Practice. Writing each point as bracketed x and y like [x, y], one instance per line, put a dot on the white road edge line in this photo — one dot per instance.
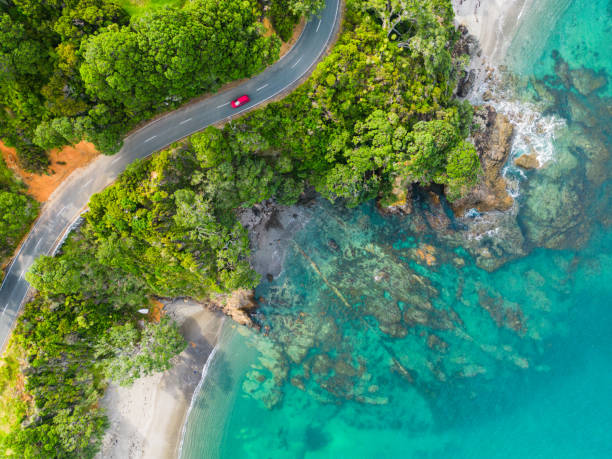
[115, 160]
[186, 121]
[150, 138]
[297, 62]
[262, 87]
[221, 106]
[318, 25]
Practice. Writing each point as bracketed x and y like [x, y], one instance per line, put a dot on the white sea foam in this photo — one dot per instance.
[496, 23]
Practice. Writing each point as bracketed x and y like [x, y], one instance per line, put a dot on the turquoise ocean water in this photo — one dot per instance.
[383, 341]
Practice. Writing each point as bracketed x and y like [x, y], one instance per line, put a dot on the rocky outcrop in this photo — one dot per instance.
[492, 239]
[466, 45]
[493, 142]
[271, 227]
[528, 161]
[400, 201]
[238, 305]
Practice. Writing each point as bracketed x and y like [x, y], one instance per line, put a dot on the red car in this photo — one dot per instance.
[240, 101]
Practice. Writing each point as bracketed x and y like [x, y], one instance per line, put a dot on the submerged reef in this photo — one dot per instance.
[364, 301]
[381, 298]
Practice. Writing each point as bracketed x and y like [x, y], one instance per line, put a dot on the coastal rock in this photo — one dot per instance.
[528, 161]
[400, 201]
[271, 226]
[466, 83]
[493, 239]
[239, 305]
[466, 44]
[493, 142]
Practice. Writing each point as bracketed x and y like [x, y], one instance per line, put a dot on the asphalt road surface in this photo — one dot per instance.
[73, 195]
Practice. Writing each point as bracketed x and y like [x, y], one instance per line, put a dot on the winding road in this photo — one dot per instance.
[72, 197]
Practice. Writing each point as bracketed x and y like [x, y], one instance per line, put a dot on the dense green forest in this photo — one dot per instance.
[17, 211]
[377, 111]
[84, 69]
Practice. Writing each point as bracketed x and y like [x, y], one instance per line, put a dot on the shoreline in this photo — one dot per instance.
[147, 419]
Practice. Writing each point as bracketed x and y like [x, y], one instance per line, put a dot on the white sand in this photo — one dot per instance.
[492, 22]
[146, 419]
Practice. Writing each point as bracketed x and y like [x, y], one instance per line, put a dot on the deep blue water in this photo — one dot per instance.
[384, 341]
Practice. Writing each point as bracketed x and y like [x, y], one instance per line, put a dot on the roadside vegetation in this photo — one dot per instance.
[83, 69]
[17, 212]
[376, 112]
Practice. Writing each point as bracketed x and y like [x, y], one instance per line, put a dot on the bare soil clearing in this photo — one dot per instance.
[62, 163]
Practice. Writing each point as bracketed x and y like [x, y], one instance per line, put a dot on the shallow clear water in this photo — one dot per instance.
[383, 341]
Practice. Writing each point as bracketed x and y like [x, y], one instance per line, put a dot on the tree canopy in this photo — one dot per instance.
[82, 69]
[17, 211]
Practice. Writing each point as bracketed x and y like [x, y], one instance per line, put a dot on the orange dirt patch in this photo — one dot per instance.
[156, 312]
[268, 26]
[62, 163]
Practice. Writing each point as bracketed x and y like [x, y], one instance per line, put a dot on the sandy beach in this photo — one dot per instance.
[146, 419]
[492, 22]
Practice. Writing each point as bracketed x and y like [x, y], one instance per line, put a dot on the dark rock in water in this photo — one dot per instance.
[315, 438]
[587, 81]
[435, 214]
[437, 344]
[581, 112]
[543, 93]
[493, 142]
[507, 316]
[529, 161]
[269, 277]
[466, 83]
[562, 70]
[332, 244]
[492, 239]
